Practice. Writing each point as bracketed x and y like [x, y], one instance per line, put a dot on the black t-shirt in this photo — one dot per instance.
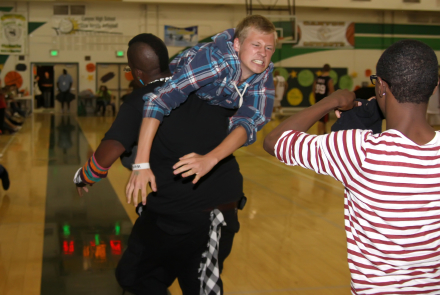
[47, 81]
[321, 87]
[194, 126]
[365, 117]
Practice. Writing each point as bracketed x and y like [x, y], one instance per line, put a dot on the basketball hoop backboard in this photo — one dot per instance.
[286, 28]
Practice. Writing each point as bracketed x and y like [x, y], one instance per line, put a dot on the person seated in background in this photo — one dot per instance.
[14, 105]
[392, 188]
[104, 98]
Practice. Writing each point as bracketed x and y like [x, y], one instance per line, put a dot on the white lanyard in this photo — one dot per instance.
[241, 94]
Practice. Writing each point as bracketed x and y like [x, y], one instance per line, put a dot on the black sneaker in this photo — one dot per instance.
[5, 180]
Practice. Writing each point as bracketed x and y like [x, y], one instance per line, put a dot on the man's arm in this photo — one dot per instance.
[200, 69]
[200, 165]
[121, 136]
[106, 154]
[342, 100]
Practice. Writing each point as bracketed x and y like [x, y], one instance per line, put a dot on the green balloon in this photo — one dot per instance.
[283, 72]
[306, 78]
[334, 77]
[346, 82]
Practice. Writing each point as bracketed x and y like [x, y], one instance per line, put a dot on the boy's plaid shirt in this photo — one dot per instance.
[211, 70]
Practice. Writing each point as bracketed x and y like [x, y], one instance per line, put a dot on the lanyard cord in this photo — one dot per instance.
[241, 94]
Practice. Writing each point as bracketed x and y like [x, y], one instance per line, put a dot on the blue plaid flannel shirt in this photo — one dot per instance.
[212, 69]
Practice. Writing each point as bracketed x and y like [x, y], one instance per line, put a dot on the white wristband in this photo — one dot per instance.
[140, 166]
[77, 177]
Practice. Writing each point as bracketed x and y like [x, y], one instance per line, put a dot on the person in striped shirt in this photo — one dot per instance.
[391, 179]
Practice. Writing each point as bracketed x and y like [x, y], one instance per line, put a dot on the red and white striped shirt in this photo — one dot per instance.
[392, 204]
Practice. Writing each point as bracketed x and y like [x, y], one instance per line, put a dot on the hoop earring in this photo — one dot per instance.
[141, 81]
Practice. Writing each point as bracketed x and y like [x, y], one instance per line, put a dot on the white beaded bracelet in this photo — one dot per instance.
[140, 166]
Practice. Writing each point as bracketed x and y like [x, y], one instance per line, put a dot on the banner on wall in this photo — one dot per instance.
[13, 34]
[325, 34]
[181, 36]
[86, 25]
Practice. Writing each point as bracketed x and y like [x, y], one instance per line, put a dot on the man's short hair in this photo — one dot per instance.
[326, 68]
[410, 68]
[158, 47]
[258, 22]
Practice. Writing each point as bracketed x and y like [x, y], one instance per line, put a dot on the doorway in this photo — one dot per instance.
[55, 70]
[113, 76]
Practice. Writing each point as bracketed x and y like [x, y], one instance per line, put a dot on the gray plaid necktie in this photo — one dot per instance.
[209, 270]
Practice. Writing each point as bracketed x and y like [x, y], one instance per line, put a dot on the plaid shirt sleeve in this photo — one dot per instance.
[256, 110]
[200, 69]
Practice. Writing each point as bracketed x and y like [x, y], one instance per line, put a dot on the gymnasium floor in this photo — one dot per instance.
[53, 242]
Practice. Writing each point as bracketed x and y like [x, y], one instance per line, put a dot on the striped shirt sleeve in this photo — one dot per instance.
[325, 154]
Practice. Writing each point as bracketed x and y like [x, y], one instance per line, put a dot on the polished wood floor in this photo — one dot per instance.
[291, 240]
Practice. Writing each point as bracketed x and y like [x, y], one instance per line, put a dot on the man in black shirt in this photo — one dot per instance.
[47, 85]
[168, 239]
[323, 87]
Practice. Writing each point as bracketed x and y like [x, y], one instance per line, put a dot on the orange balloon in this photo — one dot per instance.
[367, 73]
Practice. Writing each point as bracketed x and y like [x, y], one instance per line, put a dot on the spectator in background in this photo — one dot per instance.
[4, 176]
[3, 106]
[37, 92]
[103, 99]
[47, 84]
[11, 93]
[64, 84]
[323, 87]
[280, 90]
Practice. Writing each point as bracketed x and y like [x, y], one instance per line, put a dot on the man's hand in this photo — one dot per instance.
[338, 112]
[194, 164]
[346, 101]
[80, 190]
[138, 181]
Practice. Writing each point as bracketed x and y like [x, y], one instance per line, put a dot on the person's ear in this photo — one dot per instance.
[237, 44]
[382, 86]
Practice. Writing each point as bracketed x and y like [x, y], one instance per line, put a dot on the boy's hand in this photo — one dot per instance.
[194, 164]
[139, 181]
[346, 100]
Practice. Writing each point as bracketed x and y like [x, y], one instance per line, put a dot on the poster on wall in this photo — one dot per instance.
[300, 84]
[325, 34]
[86, 25]
[13, 34]
[181, 36]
